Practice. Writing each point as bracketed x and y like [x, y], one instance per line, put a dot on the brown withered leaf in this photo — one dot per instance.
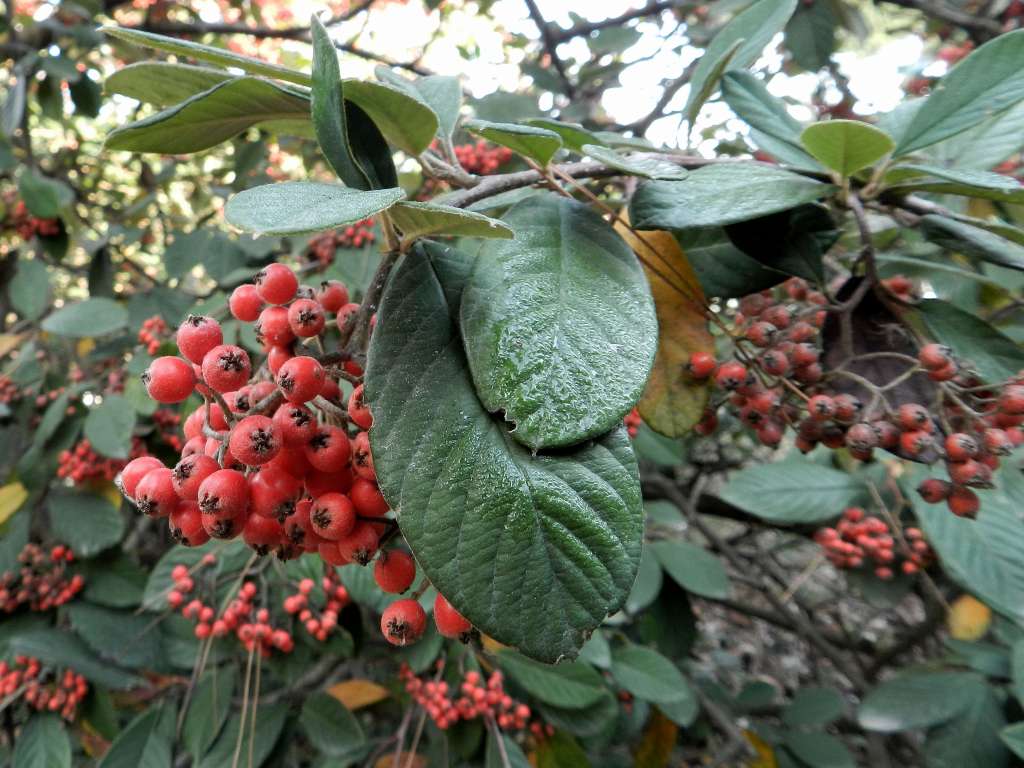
[358, 693]
[673, 401]
[656, 745]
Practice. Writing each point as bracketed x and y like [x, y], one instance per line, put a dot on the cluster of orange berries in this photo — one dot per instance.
[43, 399]
[250, 625]
[318, 622]
[41, 581]
[9, 391]
[42, 688]
[860, 539]
[632, 420]
[481, 158]
[28, 226]
[153, 333]
[322, 247]
[82, 464]
[474, 698]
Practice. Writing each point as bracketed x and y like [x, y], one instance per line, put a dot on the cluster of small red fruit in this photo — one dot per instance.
[82, 464]
[41, 581]
[28, 226]
[860, 539]
[475, 699]
[322, 247]
[775, 381]
[42, 688]
[9, 391]
[153, 333]
[632, 421]
[482, 158]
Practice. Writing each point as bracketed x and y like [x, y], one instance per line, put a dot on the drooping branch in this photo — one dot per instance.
[550, 46]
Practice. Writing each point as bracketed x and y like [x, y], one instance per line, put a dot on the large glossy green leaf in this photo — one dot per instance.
[814, 707]
[126, 638]
[648, 675]
[722, 194]
[85, 521]
[42, 743]
[163, 83]
[258, 738]
[330, 726]
[983, 555]
[793, 491]
[63, 649]
[143, 744]
[973, 737]
[417, 219]
[569, 685]
[109, 426]
[749, 98]
[29, 290]
[846, 146]
[211, 117]
[917, 700]
[574, 136]
[534, 549]
[208, 709]
[950, 181]
[724, 271]
[988, 81]
[755, 26]
[408, 122]
[646, 166]
[994, 355]
[298, 207]
[442, 94]
[558, 324]
[539, 144]
[811, 34]
[972, 241]
[987, 144]
[693, 568]
[793, 242]
[821, 750]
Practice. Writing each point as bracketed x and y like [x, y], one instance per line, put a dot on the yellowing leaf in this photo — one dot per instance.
[84, 346]
[673, 401]
[659, 739]
[406, 760]
[12, 496]
[490, 644]
[358, 693]
[968, 618]
[10, 341]
[765, 754]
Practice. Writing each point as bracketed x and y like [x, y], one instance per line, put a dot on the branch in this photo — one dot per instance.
[981, 27]
[550, 45]
[653, 8]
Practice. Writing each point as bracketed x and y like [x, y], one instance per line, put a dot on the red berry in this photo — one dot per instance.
[169, 379]
[274, 492]
[914, 442]
[775, 363]
[360, 545]
[403, 622]
[362, 458]
[333, 516]
[367, 498]
[963, 502]
[197, 336]
[731, 375]
[301, 379]
[328, 450]
[933, 490]
[912, 416]
[997, 441]
[155, 495]
[394, 571]
[306, 318]
[134, 471]
[245, 303]
[254, 440]
[319, 483]
[333, 295]
[226, 368]
[295, 423]
[934, 356]
[222, 527]
[262, 533]
[1012, 400]
[821, 408]
[347, 311]
[186, 525]
[778, 316]
[804, 354]
[190, 472]
[761, 334]
[276, 284]
[272, 327]
[960, 446]
[224, 494]
[450, 623]
[357, 410]
[862, 437]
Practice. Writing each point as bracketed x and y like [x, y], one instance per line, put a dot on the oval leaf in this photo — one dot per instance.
[298, 207]
[972, 241]
[92, 317]
[558, 324]
[994, 355]
[416, 219]
[693, 568]
[570, 685]
[917, 700]
[846, 146]
[29, 291]
[163, 83]
[43, 743]
[535, 550]
[648, 675]
[647, 166]
[109, 427]
[538, 144]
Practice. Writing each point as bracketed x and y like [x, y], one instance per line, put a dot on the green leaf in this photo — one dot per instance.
[693, 568]
[569, 685]
[61, 648]
[109, 426]
[407, 120]
[1017, 669]
[539, 144]
[793, 242]
[811, 35]
[945, 181]
[154, 597]
[648, 675]
[1013, 737]
[586, 723]
[986, 82]
[995, 356]
[793, 491]
[749, 98]
[117, 582]
[163, 83]
[983, 555]
[648, 582]
[329, 726]
[724, 271]
[141, 745]
[29, 290]
[972, 241]
[126, 638]
[986, 145]
[647, 166]
[494, 759]
[710, 83]
[846, 146]
[298, 207]
[92, 317]
[84, 521]
[574, 136]
[208, 710]
[972, 738]
[722, 194]
[442, 94]
[561, 751]
[207, 53]
[819, 750]
[44, 197]
[539, 548]
[213, 116]
[570, 298]
[814, 707]
[42, 743]
[415, 220]
[258, 739]
[917, 700]
[755, 26]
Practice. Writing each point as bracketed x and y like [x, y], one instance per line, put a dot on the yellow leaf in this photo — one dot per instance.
[490, 644]
[672, 401]
[10, 341]
[85, 346]
[656, 745]
[406, 760]
[968, 618]
[358, 693]
[12, 496]
[765, 754]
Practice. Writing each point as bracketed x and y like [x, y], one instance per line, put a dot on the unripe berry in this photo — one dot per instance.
[449, 622]
[276, 284]
[169, 379]
[394, 571]
[306, 318]
[301, 379]
[245, 303]
[226, 368]
[254, 440]
[403, 622]
[197, 336]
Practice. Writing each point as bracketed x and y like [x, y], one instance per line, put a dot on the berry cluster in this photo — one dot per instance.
[82, 464]
[42, 688]
[632, 421]
[481, 158]
[153, 333]
[775, 381]
[474, 699]
[28, 226]
[319, 622]
[41, 581]
[322, 247]
[860, 539]
[167, 424]
[9, 391]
